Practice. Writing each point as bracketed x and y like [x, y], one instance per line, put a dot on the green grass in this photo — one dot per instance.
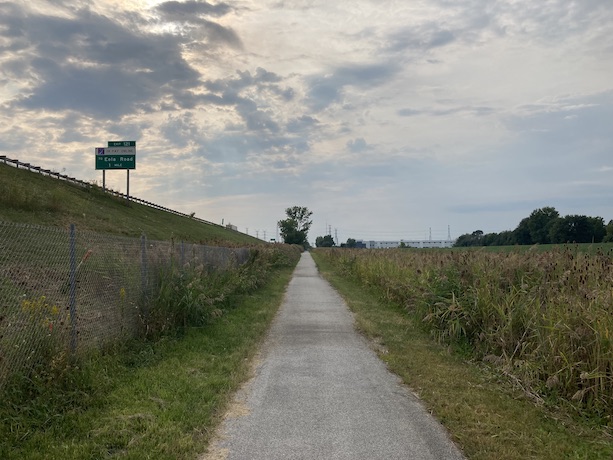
[158, 400]
[487, 414]
[31, 198]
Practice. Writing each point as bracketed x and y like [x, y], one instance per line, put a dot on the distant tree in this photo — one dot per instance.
[489, 239]
[609, 233]
[478, 238]
[522, 233]
[324, 241]
[599, 229]
[578, 229]
[544, 226]
[463, 241]
[295, 227]
[470, 239]
[506, 238]
[540, 222]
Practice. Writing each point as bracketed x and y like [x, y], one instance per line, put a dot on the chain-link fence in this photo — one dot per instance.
[70, 290]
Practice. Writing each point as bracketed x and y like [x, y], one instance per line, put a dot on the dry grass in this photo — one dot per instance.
[544, 318]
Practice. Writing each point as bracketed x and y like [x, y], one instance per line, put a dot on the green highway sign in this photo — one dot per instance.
[108, 158]
[122, 143]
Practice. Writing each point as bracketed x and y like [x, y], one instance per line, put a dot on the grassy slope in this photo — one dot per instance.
[484, 413]
[32, 198]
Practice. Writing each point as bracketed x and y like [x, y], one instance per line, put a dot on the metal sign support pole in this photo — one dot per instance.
[104, 180]
[128, 191]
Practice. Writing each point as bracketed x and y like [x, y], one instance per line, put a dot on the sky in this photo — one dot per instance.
[388, 119]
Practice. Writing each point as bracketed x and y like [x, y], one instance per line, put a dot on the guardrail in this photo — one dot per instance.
[17, 164]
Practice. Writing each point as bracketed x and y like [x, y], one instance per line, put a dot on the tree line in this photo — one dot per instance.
[544, 226]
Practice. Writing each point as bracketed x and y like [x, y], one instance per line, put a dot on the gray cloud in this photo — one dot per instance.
[326, 90]
[105, 93]
[301, 124]
[192, 15]
[186, 10]
[567, 122]
[238, 146]
[181, 129]
[425, 38]
[228, 92]
[477, 111]
[477, 21]
[234, 85]
[94, 65]
[357, 145]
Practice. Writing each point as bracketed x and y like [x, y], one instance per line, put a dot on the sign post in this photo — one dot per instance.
[118, 155]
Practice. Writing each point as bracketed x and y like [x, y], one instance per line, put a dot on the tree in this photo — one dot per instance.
[324, 241]
[578, 229]
[351, 243]
[522, 232]
[540, 223]
[609, 235]
[296, 227]
[470, 239]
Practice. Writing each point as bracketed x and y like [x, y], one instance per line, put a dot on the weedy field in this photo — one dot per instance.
[543, 318]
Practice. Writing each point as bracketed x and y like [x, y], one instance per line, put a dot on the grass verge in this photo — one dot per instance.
[158, 400]
[487, 415]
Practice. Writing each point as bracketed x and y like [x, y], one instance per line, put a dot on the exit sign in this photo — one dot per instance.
[122, 143]
[115, 158]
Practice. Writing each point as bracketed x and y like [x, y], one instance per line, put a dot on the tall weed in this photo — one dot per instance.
[546, 318]
[191, 296]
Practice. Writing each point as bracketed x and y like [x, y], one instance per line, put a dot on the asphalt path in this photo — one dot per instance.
[320, 392]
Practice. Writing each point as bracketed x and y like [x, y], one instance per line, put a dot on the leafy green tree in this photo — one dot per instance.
[506, 238]
[540, 222]
[324, 241]
[470, 239]
[522, 233]
[609, 233]
[351, 242]
[295, 227]
[578, 229]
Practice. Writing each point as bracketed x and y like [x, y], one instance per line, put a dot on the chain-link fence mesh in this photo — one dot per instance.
[63, 291]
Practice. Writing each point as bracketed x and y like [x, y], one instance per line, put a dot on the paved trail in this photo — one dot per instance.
[320, 392]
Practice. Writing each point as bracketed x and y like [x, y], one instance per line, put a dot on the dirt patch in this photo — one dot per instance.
[238, 408]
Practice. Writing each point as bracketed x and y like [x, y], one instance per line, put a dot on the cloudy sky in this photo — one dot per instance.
[388, 119]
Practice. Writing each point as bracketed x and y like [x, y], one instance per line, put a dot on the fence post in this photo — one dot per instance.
[72, 296]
